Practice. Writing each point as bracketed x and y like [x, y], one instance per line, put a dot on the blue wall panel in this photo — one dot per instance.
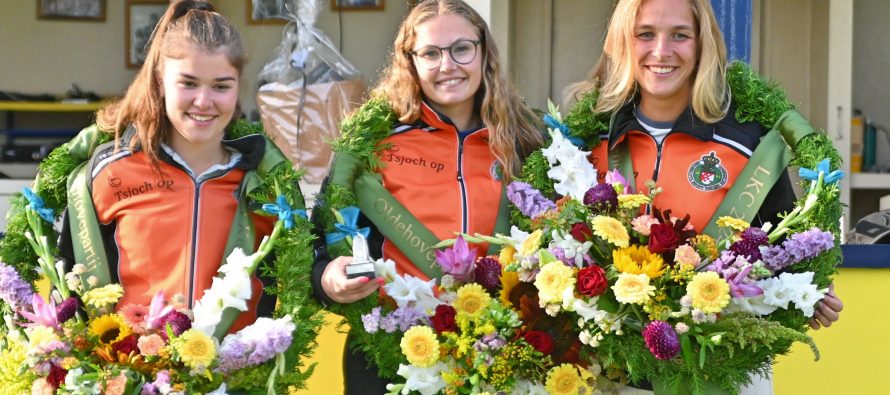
[734, 17]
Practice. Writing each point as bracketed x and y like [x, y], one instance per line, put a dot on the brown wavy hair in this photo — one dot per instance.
[613, 72]
[186, 25]
[513, 134]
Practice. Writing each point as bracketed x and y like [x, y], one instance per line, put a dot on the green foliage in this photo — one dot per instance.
[755, 98]
[361, 132]
[586, 124]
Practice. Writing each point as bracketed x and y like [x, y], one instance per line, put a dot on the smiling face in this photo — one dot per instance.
[665, 52]
[200, 97]
[451, 87]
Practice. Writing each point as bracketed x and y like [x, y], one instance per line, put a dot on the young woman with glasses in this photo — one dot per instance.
[459, 130]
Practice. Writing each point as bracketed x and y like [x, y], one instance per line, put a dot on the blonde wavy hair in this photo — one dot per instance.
[186, 25]
[512, 132]
[613, 73]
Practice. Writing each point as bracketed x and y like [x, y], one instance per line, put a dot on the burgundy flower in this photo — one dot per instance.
[56, 375]
[67, 309]
[601, 197]
[661, 339]
[746, 248]
[662, 239]
[126, 345]
[443, 321]
[540, 340]
[582, 232]
[755, 235]
[488, 274]
[592, 281]
[178, 322]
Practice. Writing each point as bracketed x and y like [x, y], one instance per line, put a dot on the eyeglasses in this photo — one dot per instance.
[461, 51]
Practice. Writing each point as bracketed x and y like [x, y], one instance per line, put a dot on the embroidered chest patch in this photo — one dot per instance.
[496, 170]
[707, 174]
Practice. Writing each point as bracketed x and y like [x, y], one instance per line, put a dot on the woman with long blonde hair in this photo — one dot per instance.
[459, 130]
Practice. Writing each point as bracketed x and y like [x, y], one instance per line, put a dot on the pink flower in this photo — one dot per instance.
[661, 339]
[458, 261]
[43, 314]
[643, 224]
[116, 385]
[42, 387]
[134, 315]
[150, 345]
[157, 311]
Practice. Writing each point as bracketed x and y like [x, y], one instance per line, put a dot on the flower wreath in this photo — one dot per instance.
[361, 135]
[758, 100]
[291, 266]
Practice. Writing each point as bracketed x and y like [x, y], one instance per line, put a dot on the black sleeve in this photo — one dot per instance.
[65, 243]
[779, 200]
[322, 258]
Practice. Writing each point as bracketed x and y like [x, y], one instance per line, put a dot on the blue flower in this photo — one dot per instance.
[349, 226]
[552, 123]
[284, 212]
[36, 203]
[824, 167]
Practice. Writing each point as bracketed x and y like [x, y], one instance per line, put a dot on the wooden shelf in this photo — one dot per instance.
[870, 181]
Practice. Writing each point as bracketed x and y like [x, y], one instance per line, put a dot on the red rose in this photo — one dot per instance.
[540, 340]
[592, 281]
[126, 345]
[443, 321]
[56, 375]
[662, 239]
[581, 232]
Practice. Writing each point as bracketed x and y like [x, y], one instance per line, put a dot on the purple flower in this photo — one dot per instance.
[13, 290]
[162, 379]
[746, 248]
[389, 324]
[488, 274]
[406, 317]
[179, 323]
[799, 247]
[601, 198]
[661, 339]
[41, 313]
[255, 344]
[458, 260]
[755, 235]
[371, 321]
[67, 309]
[528, 200]
[740, 285]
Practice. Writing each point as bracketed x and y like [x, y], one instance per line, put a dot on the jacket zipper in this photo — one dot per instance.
[460, 181]
[192, 257]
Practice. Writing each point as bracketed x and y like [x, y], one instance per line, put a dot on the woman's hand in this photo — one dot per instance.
[827, 310]
[344, 290]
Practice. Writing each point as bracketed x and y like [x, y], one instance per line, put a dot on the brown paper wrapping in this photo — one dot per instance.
[326, 104]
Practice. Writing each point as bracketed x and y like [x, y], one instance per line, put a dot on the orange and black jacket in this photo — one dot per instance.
[167, 230]
[450, 181]
[696, 163]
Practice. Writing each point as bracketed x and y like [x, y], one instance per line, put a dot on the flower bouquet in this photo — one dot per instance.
[644, 294]
[81, 341]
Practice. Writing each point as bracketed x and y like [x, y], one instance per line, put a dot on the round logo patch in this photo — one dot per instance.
[496, 170]
[707, 174]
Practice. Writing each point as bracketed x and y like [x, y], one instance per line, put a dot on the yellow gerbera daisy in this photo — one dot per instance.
[637, 259]
[709, 292]
[471, 299]
[103, 296]
[611, 230]
[531, 244]
[738, 225]
[564, 379]
[195, 349]
[633, 288]
[553, 279]
[110, 328]
[420, 346]
[632, 201]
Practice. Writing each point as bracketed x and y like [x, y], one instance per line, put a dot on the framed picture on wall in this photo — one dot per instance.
[356, 5]
[141, 18]
[262, 12]
[84, 10]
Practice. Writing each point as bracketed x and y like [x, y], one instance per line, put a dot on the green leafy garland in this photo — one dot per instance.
[361, 136]
[291, 268]
[759, 100]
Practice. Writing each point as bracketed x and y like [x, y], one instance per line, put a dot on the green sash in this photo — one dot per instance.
[769, 160]
[392, 219]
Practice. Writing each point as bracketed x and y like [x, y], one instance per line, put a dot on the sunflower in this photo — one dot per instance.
[709, 292]
[110, 329]
[564, 379]
[508, 281]
[195, 349]
[471, 299]
[637, 259]
[507, 255]
[420, 346]
[610, 230]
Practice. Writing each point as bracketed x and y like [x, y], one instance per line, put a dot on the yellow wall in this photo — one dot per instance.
[854, 351]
